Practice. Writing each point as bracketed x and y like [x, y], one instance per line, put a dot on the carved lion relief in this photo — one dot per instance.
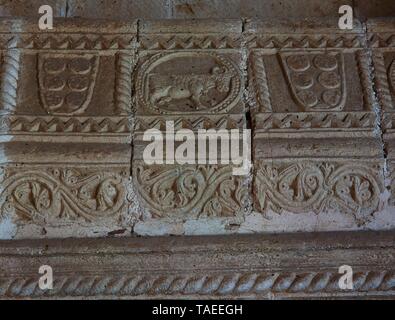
[318, 187]
[188, 82]
[66, 81]
[62, 194]
[316, 80]
[190, 191]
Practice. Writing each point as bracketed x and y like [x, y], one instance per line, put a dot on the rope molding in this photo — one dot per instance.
[256, 284]
[256, 266]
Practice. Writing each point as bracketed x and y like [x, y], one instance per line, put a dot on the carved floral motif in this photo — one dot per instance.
[64, 194]
[67, 81]
[187, 191]
[188, 82]
[317, 80]
[308, 186]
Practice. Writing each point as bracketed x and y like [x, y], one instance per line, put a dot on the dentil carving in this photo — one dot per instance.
[308, 186]
[186, 191]
[65, 194]
[66, 81]
[188, 82]
[317, 80]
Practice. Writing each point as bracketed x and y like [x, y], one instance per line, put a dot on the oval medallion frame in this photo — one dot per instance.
[232, 98]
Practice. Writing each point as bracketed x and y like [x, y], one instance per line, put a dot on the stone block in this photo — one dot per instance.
[65, 128]
[381, 38]
[120, 9]
[189, 74]
[21, 8]
[317, 150]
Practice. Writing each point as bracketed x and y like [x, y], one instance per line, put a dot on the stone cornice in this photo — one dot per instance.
[255, 266]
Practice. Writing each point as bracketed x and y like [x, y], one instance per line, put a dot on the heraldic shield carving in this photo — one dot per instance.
[193, 82]
[317, 79]
[66, 82]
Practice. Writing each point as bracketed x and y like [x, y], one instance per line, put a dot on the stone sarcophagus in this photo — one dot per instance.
[309, 106]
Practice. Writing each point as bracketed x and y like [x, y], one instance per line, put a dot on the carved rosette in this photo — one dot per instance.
[318, 187]
[188, 82]
[61, 195]
[190, 191]
[66, 81]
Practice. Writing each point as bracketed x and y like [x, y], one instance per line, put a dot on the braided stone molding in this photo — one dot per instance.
[364, 63]
[238, 284]
[9, 80]
[255, 266]
[123, 90]
[260, 85]
[381, 81]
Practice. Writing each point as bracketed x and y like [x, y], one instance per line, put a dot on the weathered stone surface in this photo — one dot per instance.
[22, 8]
[76, 101]
[254, 267]
[198, 9]
[375, 8]
[314, 124]
[381, 34]
[120, 9]
[65, 108]
[189, 74]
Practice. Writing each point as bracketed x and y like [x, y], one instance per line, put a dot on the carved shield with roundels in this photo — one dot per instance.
[316, 79]
[391, 76]
[66, 81]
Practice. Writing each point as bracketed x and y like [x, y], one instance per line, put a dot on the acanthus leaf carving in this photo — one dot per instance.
[190, 191]
[62, 194]
[311, 187]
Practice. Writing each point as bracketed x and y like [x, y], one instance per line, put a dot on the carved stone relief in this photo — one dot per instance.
[381, 35]
[314, 124]
[66, 129]
[189, 75]
[76, 101]
[317, 80]
[213, 86]
[79, 97]
[54, 195]
[66, 82]
[319, 187]
[189, 191]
